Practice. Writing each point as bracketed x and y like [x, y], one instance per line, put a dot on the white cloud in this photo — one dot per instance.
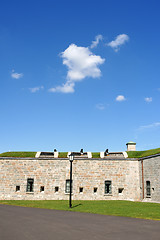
[100, 106]
[68, 87]
[35, 89]
[119, 40]
[81, 63]
[153, 125]
[98, 38]
[148, 99]
[16, 75]
[120, 98]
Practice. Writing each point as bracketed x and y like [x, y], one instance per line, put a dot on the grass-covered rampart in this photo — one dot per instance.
[95, 154]
[18, 154]
[131, 154]
[62, 154]
[140, 154]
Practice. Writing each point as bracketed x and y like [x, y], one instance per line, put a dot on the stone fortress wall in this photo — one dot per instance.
[151, 173]
[87, 174]
[128, 178]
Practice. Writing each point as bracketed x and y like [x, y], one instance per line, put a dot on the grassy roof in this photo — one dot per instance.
[18, 154]
[139, 154]
[95, 154]
[62, 154]
[131, 154]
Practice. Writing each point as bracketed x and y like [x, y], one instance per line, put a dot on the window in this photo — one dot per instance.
[108, 189]
[17, 188]
[67, 190]
[120, 190]
[95, 189]
[30, 183]
[56, 189]
[42, 189]
[148, 188]
[81, 189]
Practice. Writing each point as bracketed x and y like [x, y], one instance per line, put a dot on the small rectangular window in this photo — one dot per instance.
[148, 188]
[17, 188]
[95, 190]
[108, 187]
[42, 189]
[30, 185]
[81, 189]
[56, 189]
[120, 190]
[67, 188]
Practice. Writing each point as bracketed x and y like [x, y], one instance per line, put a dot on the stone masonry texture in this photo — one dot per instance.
[125, 174]
[151, 172]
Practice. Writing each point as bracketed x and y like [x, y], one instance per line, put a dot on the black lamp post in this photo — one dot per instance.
[71, 158]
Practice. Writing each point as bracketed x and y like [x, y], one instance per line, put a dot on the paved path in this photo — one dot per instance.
[19, 223]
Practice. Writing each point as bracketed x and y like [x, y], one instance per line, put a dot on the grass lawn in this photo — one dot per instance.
[18, 154]
[139, 154]
[115, 208]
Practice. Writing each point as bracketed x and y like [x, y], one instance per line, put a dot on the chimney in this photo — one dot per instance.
[131, 146]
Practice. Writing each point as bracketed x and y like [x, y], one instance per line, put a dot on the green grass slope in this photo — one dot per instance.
[95, 154]
[62, 154]
[18, 154]
[139, 154]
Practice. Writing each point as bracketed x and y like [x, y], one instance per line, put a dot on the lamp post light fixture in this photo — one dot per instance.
[71, 158]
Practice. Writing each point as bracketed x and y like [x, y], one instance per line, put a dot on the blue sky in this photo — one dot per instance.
[79, 74]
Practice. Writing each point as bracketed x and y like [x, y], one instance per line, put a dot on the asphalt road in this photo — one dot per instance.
[19, 223]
